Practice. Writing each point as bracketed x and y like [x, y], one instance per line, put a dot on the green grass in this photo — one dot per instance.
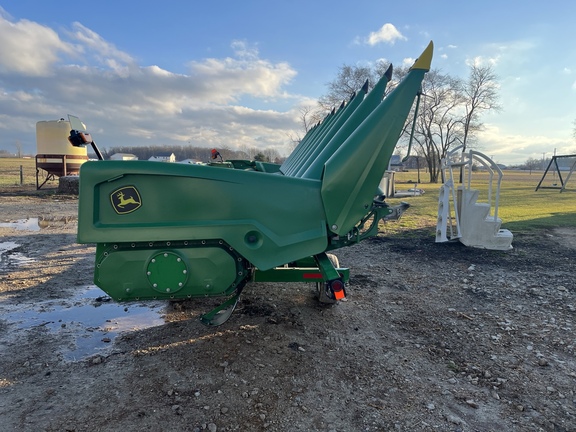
[10, 172]
[521, 208]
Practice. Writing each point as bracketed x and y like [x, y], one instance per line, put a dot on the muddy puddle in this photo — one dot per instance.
[37, 223]
[90, 320]
[29, 224]
[9, 255]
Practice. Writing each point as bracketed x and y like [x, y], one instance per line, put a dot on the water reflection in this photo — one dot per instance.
[37, 223]
[30, 224]
[9, 255]
[89, 318]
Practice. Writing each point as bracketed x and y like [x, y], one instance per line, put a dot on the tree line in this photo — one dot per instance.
[201, 154]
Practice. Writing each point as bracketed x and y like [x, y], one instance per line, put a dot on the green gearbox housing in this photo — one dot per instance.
[171, 231]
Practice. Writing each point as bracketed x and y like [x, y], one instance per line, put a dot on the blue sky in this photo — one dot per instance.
[236, 73]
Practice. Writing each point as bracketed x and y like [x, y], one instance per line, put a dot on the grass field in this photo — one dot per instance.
[10, 172]
[521, 208]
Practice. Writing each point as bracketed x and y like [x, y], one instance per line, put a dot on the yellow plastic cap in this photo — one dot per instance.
[425, 59]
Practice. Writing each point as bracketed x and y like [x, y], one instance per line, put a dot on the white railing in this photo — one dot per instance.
[466, 162]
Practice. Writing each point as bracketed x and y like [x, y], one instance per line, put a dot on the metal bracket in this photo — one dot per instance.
[396, 212]
[220, 314]
[334, 288]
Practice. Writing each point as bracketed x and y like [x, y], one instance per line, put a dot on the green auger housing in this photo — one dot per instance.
[173, 231]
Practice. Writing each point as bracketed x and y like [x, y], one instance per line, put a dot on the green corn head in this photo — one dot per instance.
[179, 231]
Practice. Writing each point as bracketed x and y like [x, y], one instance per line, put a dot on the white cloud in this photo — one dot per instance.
[482, 61]
[91, 40]
[388, 33]
[28, 48]
[244, 74]
[244, 50]
[514, 54]
[44, 76]
[408, 61]
[442, 51]
[514, 147]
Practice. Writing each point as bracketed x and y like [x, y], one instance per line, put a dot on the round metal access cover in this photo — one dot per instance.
[167, 272]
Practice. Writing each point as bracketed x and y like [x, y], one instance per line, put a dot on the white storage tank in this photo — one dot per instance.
[54, 153]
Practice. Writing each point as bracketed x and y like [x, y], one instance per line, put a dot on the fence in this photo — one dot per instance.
[19, 175]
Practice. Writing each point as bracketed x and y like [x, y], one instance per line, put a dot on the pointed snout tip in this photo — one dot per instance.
[425, 59]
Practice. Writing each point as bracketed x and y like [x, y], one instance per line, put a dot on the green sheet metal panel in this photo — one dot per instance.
[348, 110]
[296, 274]
[164, 272]
[305, 156]
[315, 168]
[353, 172]
[302, 153]
[270, 219]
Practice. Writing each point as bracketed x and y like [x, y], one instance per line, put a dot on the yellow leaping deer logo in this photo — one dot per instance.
[125, 200]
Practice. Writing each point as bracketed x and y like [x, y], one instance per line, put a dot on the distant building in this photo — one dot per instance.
[477, 166]
[396, 163]
[163, 157]
[123, 156]
[565, 163]
[415, 162]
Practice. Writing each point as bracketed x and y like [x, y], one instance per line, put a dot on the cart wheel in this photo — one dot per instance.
[322, 290]
[334, 260]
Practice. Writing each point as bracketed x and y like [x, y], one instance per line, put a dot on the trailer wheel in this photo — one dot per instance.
[322, 290]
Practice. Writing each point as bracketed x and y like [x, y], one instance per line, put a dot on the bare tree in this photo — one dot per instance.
[271, 155]
[18, 149]
[449, 111]
[248, 151]
[480, 93]
[533, 164]
[310, 116]
[439, 124]
[349, 80]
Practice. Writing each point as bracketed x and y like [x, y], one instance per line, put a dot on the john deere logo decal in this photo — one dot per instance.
[125, 200]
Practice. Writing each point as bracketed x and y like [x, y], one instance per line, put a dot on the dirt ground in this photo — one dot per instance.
[432, 337]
